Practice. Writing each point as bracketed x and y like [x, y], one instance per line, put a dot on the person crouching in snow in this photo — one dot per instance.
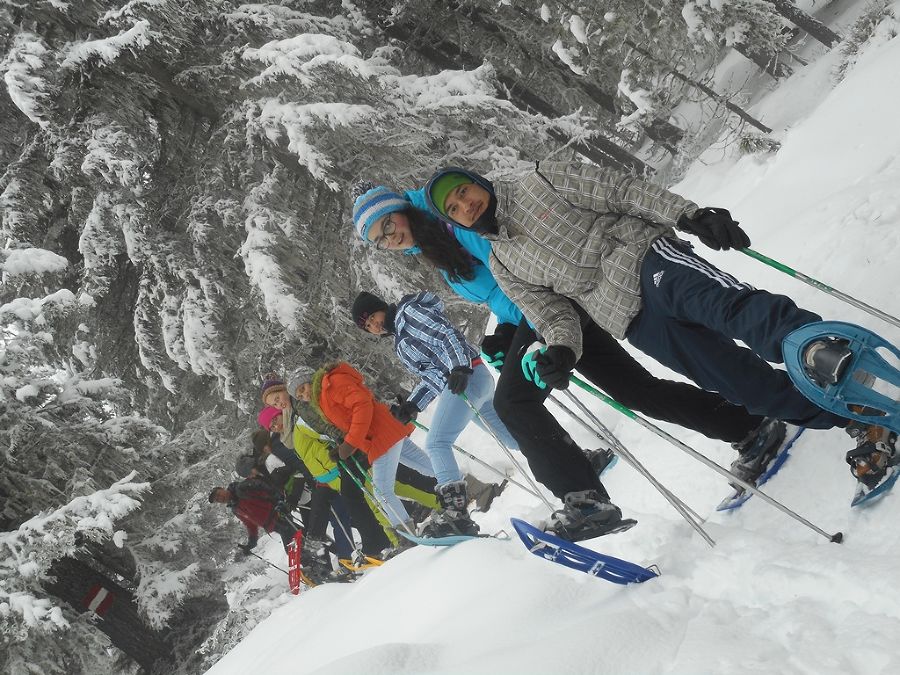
[259, 506]
[449, 368]
[371, 434]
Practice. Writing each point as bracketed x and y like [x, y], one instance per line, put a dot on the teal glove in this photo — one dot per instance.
[529, 368]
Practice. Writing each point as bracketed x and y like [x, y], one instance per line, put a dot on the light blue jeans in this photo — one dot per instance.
[384, 474]
[453, 414]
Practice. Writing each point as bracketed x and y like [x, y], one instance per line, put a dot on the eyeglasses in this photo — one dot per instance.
[387, 229]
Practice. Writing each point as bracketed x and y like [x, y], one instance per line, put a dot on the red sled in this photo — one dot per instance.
[295, 575]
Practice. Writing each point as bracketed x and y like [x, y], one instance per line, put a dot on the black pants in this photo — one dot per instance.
[374, 540]
[607, 364]
[554, 458]
[693, 313]
[285, 529]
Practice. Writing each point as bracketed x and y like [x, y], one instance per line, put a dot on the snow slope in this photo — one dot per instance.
[772, 596]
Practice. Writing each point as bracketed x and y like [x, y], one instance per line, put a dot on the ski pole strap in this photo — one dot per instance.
[825, 288]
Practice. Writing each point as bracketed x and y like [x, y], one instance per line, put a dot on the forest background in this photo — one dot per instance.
[174, 216]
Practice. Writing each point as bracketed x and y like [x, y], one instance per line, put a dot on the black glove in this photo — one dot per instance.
[494, 348]
[246, 548]
[333, 454]
[554, 365]
[459, 379]
[715, 228]
[405, 412]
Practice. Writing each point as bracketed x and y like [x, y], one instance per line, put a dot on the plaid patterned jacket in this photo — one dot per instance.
[571, 230]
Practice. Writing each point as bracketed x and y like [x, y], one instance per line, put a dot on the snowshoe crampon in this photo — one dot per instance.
[550, 547]
[739, 495]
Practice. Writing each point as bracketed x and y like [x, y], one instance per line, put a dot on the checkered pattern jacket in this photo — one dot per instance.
[570, 230]
[428, 345]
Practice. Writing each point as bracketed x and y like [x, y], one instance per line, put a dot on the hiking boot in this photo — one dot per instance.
[875, 456]
[827, 360]
[315, 561]
[601, 459]
[453, 518]
[402, 542]
[586, 515]
[757, 450]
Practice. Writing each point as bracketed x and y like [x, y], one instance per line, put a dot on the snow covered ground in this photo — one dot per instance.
[772, 596]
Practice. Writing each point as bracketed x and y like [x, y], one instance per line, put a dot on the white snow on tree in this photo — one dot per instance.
[30, 550]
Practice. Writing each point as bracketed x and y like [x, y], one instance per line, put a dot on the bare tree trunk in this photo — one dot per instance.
[771, 63]
[740, 112]
[814, 27]
[77, 582]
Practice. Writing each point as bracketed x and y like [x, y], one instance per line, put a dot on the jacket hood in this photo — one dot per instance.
[487, 223]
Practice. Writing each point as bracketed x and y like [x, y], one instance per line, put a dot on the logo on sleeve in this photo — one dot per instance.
[657, 278]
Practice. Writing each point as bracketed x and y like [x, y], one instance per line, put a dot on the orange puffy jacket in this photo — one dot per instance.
[350, 406]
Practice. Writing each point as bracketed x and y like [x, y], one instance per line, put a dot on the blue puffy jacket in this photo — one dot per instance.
[483, 289]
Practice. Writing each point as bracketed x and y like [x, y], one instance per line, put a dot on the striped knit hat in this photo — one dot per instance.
[371, 203]
[271, 383]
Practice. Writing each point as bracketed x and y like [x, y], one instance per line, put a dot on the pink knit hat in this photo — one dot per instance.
[266, 415]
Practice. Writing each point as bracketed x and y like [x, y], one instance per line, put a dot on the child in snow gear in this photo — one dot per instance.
[575, 234]
[324, 504]
[433, 349]
[411, 485]
[373, 437]
[312, 452]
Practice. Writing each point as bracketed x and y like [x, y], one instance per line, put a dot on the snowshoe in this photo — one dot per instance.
[739, 495]
[549, 547]
[586, 515]
[873, 462]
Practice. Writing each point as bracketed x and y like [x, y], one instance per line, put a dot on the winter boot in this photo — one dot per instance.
[827, 360]
[314, 560]
[601, 459]
[453, 518]
[586, 515]
[875, 457]
[402, 542]
[757, 450]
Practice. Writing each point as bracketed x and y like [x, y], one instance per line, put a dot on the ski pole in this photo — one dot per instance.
[267, 562]
[836, 537]
[497, 471]
[487, 427]
[849, 299]
[676, 503]
[348, 535]
[602, 432]
[376, 496]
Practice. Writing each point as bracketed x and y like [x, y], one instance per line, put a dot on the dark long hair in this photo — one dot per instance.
[439, 247]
